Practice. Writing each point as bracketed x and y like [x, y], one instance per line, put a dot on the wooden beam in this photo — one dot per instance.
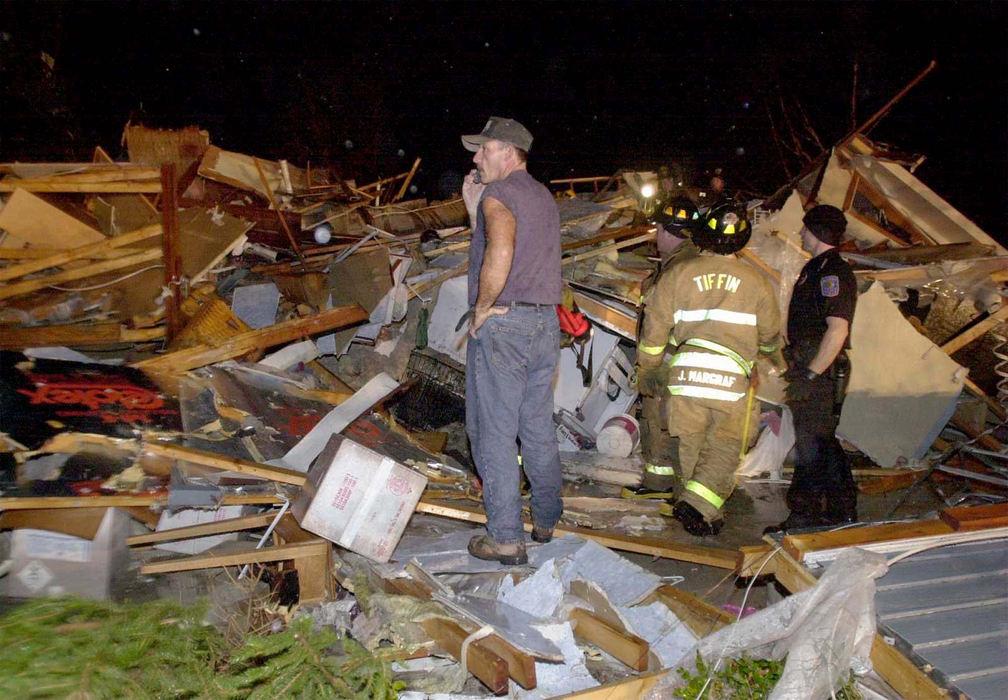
[701, 617]
[632, 688]
[282, 552]
[9, 184]
[798, 545]
[406, 182]
[276, 208]
[627, 648]
[27, 286]
[971, 518]
[975, 331]
[609, 317]
[751, 558]
[250, 522]
[59, 258]
[284, 332]
[145, 500]
[170, 249]
[758, 262]
[654, 546]
[80, 334]
[602, 250]
[215, 461]
[481, 662]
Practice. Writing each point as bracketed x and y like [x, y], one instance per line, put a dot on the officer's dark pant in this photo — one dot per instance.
[822, 485]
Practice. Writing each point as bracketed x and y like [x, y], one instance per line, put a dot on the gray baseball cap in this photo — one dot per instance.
[499, 129]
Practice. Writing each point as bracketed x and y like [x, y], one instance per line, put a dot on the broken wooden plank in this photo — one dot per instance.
[701, 617]
[602, 250]
[18, 288]
[144, 499]
[215, 461]
[250, 522]
[632, 688]
[622, 323]
[490, 668]
[284, 332]
[91, 250]
[970, 334]
[971, 518]
[798, 546]
[76, 335]
[654, 546]
[627, 648]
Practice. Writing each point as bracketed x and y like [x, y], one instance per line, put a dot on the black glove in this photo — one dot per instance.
[801, 384]
[653, 381]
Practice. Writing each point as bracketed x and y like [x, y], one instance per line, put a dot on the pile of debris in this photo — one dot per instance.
[275, 367]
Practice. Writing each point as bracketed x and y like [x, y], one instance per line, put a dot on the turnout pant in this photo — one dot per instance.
[710, 439]
[660, 449]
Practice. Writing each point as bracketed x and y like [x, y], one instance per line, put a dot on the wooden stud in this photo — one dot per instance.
[406, 182]
[627, 648]
[143, 500]
[215, 461]
[170, 246]
[488, 667]
[26, 286]
[971, 518]
[79, 334]
[276, 208]
[250, 522]
[702, 618]
[970, 334]
[284, 332]
[654, 546]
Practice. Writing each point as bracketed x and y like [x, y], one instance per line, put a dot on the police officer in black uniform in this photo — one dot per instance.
[822, 491]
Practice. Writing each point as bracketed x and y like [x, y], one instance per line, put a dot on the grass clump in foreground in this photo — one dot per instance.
[744, 678]
[84, 649]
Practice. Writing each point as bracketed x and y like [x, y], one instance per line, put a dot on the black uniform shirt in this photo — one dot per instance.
[825, 287]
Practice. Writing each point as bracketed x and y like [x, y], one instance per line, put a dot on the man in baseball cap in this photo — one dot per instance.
[500, 129]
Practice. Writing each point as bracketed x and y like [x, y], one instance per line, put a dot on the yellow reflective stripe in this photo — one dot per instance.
[768, 348]
[705, 493]
[660, 471]
[723, 350]
[651, 349]
[738, 318]
[705, 360]
[703, 392]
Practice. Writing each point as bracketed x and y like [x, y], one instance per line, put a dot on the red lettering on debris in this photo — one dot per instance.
[342, 496]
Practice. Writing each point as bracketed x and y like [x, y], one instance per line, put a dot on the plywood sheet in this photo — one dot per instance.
[31, 221]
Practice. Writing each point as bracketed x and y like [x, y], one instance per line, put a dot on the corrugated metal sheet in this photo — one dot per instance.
[950, 605]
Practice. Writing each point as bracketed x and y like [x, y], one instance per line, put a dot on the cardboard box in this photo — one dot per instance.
[195, 516]
[46, 563]
[359, 499]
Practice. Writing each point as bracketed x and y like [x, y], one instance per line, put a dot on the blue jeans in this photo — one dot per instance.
[509, 397]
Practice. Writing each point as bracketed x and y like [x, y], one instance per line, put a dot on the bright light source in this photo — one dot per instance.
[648, 190]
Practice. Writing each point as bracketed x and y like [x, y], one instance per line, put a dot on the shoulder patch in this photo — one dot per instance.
[830, 285]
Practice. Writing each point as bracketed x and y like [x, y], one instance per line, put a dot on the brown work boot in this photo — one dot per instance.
[541, 535]
[488, 549]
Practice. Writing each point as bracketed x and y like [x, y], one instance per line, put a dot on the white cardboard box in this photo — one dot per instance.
[45, 564]
[358, 498]
[197, 516]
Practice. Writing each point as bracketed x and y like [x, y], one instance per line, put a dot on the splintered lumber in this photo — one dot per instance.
[406, 182]
[702, 618]
[118, 177]
[974, 332]
[310, 560]
[79, 334]
[490, 668]
[250, 522]
[285, 332]
[602, 250]
[143, 499]
[971, 518]
[93, 250]
[654, 546]
[627, 648]
[215, 461]
[18, 288]
[798, 546]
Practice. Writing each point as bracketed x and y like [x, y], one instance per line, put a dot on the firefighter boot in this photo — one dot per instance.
[692, 521]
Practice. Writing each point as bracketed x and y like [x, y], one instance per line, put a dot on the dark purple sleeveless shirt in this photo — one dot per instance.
[535, 268]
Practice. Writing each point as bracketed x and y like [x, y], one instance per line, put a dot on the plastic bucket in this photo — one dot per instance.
[618, 437]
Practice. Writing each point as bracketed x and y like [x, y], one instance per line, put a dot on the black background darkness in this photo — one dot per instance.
[601, 85]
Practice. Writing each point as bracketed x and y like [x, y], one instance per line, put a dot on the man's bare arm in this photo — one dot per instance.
[500, 233]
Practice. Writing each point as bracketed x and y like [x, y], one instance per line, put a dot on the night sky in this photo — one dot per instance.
[368, 87]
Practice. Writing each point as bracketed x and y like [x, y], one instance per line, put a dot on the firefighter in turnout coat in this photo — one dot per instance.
[714, 313]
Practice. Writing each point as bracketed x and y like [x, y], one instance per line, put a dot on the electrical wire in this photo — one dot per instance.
[973, 537]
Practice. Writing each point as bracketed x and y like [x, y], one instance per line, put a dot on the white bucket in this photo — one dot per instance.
[618, 437]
